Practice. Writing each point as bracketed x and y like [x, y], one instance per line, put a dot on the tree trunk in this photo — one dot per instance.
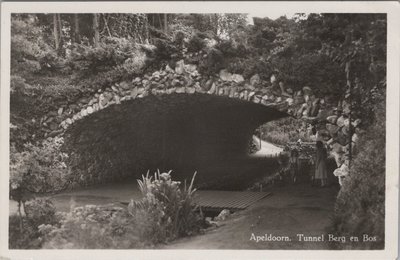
[76, 29]
[160, 23]
[55, 31]
[20, 217]
[106, 25]
[96, 39]
[349, 85]
[166, 23]
[60, 50]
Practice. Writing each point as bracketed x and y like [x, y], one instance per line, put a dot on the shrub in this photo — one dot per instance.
[360, 206]
[196, 43]
[91, 227]
[113, 60]
[30, 51]
[166, 212]
[285, 130]
[17, 84]
[38, 169]
[214, 62]
[24, 231]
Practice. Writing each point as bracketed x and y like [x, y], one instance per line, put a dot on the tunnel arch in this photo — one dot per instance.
[176, 131]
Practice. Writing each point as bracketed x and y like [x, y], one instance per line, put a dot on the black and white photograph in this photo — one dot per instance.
[248, 129]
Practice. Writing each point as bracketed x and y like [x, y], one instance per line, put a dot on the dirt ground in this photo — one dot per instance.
[289, 211]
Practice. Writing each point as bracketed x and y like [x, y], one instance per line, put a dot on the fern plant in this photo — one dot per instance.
[166, 211]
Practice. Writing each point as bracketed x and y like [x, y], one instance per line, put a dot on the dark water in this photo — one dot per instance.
[226, 174]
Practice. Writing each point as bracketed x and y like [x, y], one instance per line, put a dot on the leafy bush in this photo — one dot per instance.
[30, 52]
[166, 212]
[38, 169]
[196, 43]
[17, 84]
[360, 206]
[24, 231]
[285, 130]
[91, 227]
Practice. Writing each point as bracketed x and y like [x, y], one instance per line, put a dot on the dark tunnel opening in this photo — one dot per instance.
[179, 132]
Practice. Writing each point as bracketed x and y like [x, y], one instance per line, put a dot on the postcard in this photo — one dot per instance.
[184, 130]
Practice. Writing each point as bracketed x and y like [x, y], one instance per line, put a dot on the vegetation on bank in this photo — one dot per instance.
[286, 130]
[166, 211]
[360, 205]
[59, 59]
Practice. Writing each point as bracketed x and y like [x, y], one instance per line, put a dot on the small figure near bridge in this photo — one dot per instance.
[321, 172]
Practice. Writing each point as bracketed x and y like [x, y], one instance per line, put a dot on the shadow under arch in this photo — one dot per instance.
[182, 132]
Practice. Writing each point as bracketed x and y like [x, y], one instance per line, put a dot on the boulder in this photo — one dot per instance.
[115, 89]
[224, 75]
[346, 130]
[356, 122]
[179, 67]
[134, 92]
[92, 101]
[60, 110]
[213, 89]
[198, 87]
[332, 119]
[341, 138]
[190, 90]
[224, 214]
[168, 69]
[333, 129]
[255, 80]
[156, 74]
[190, 68]
[354, 138]
[180, 90]
[136, 80]
[237, 78]
[89, 110]
[346, 122]
[117, 99]
[257, 99]
[340, 121]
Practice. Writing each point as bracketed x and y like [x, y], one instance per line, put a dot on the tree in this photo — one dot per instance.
[56, 32]
[76, 29]
[96, 39]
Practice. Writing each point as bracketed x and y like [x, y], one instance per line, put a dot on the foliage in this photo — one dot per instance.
[28, 46]
[360, 206]
[130, 26]
[38, 212]
[111, 52]
[285, 130]
[166, 212]
[38, 169]
[91, 227]
[114, 60]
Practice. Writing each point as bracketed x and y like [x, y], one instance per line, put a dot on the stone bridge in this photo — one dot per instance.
[174, 116]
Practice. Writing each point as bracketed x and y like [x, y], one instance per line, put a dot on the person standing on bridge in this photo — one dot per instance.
[321, 171]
